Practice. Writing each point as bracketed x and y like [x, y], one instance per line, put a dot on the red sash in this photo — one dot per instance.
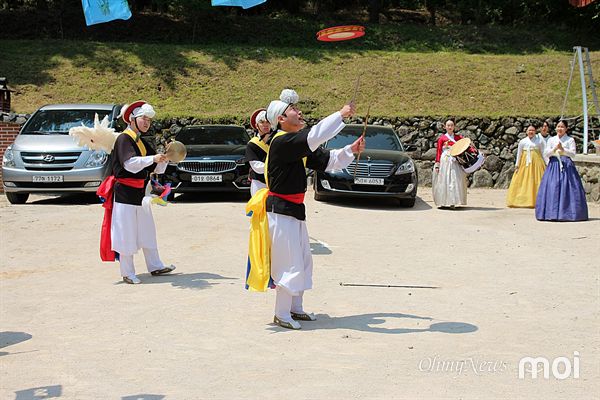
[106, 191]
[297, 198]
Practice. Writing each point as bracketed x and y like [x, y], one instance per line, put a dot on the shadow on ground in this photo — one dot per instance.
[67, 199]
[369, 322]
[470, 208]
[211, 198]
[9, 338]
[199, 280]
[377, 204]
[41, 392]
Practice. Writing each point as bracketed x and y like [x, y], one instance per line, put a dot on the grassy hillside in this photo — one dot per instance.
[226, 80]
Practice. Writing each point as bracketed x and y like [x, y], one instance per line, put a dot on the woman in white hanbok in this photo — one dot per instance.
[449, 180]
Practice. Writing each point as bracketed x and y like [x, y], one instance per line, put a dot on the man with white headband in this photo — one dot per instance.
[130, 225]
[291, 151]
[257, 148]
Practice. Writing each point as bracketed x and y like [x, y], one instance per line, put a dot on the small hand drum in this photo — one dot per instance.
[469, 158]
[176, 151]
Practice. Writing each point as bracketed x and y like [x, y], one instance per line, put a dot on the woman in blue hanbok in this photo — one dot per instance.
[561, 196]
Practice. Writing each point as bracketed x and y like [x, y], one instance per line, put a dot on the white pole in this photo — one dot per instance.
[584, 100]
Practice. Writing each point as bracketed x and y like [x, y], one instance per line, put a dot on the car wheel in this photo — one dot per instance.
[408, 203]
[17, 198]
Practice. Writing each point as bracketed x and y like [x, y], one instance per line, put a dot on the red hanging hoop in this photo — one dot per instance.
[339, 33]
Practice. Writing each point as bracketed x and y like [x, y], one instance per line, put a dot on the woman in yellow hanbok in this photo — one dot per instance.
[529, 169]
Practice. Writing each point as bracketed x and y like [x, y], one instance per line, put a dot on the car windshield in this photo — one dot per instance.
[49, 122]
[220, 135]
[377, 138]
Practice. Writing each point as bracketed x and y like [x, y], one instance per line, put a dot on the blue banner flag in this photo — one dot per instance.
[99, 11]
[237, 3]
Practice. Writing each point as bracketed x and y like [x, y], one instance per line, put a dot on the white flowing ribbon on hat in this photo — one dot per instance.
[145, 110]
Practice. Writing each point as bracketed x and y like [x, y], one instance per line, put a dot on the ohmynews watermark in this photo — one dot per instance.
[459, 367]
[529, 367]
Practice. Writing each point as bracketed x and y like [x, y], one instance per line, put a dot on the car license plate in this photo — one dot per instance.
[207, 178]
[48, 179]
[368, 181]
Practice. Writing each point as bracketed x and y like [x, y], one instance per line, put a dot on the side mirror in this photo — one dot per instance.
[410, 147]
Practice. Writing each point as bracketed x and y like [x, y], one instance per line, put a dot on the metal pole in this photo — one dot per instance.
[562, 112]
[584, 100]
[592, 84]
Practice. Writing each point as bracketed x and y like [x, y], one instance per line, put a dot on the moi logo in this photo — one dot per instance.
[561, 367]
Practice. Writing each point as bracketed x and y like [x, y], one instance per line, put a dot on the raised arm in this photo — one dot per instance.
[329, 127]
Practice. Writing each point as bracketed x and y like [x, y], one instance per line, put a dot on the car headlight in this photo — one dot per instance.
[336, 171]
[240, 161]
[97, 159]
[405, 168]
[8, 160]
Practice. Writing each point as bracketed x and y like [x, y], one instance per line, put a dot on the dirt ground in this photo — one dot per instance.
[472, 291]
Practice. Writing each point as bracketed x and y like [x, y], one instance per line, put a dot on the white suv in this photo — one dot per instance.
[44, 159]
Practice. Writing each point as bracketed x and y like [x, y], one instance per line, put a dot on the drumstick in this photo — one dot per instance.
[362, 137]
[355, 90]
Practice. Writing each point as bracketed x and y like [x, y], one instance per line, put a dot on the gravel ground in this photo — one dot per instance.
[463, 296]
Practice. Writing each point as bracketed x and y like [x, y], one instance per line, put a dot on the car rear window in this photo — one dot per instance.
[377, 139]
[213, 135]
[49, 122]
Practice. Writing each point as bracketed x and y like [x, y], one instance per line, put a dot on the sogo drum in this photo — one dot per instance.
[469, 158]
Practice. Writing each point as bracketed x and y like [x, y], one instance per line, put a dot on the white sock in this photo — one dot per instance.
[297, 303]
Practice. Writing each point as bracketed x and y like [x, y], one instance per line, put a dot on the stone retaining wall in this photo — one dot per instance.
[497, 138]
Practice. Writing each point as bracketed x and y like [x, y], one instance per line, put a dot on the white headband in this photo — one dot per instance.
[278, 107]
[262, 116]
[275, 109]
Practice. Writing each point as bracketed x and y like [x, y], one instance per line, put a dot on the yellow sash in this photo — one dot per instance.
[137, 140]
[259, 245]
[256, 140]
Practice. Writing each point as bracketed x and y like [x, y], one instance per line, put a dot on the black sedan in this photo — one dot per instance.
[384, 169]
[215, 160]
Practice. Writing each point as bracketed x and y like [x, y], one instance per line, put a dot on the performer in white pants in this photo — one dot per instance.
[291, 151]
[132, 226]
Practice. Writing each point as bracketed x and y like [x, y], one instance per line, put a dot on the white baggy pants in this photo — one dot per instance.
[291, 263]
[132, 229]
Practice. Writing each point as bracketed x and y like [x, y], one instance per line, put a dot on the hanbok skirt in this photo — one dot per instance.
[561, 196]
[449, 184]
[525, 183]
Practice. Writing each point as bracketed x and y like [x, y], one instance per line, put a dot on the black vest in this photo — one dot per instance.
[125, 148]
[287, 173]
